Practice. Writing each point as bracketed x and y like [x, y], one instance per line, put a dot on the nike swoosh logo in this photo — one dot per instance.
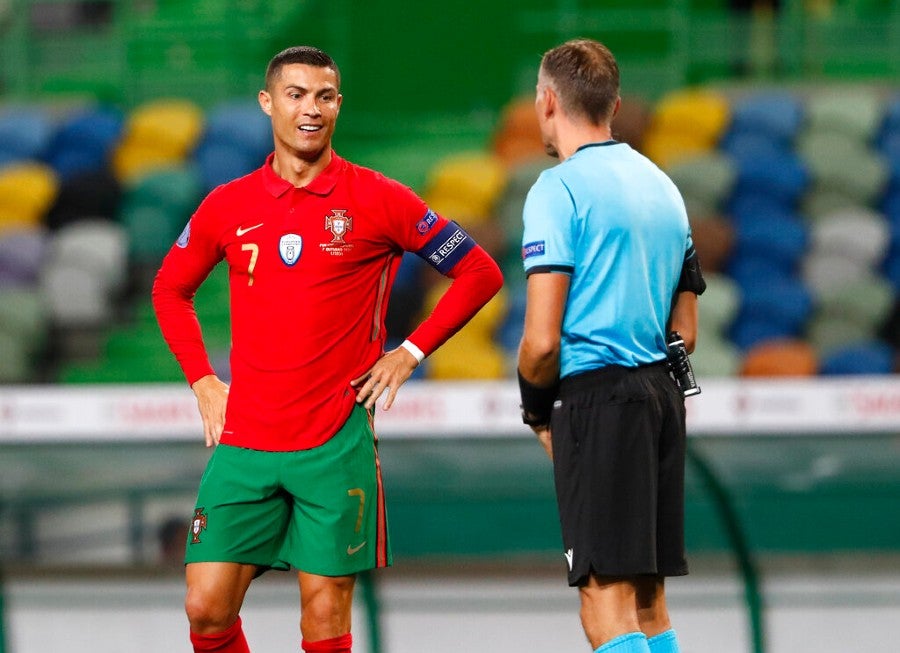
[240, 231]
[353, 549]
[570, 556]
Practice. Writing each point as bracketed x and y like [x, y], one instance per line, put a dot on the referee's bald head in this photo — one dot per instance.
[300, 54]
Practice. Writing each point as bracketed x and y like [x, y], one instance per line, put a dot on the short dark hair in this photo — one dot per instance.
[302, 54]
[585, 76]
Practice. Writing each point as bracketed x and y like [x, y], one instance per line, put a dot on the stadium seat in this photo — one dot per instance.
[472, 181]
[15, 363]
[867, 301]
[23, 316]
[95, 245]
[157, 134]
[715, 356]
[828, 110]
[221, 162]
[700, 114]
[84, 141]
[783, 303]
[778, 236]
[240, 124]
[776, 115]
[780, 358]
[719, 305]
[822, 272]
[713, 237]
[25, 133]
[865, 357]
[779, 175]
[840, 163]
[517, 136]
[746, 334]
[708, 178]
[173, 126]
[22, 255]
[860, 234]
[74, 297]
[822, 201]
[27, 191]
[95, 194]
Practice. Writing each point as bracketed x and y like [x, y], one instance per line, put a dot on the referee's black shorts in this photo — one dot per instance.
[618, 460]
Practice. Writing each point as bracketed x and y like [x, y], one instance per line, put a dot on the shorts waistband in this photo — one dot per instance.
[606, 374]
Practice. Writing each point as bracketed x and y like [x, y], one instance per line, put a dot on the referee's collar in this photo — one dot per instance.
[323, 184]
[611, 141]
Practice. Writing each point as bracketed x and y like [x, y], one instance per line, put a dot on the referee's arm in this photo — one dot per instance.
[545, 304]
[684, 318]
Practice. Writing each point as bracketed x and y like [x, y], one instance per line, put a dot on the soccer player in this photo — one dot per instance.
[607, 252]
[312, 244]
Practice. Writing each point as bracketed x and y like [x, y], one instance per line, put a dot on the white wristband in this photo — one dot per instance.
[412, 349]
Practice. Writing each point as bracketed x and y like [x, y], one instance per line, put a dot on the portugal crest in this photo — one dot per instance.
[289, 248]
[198, 525]
[339, 224]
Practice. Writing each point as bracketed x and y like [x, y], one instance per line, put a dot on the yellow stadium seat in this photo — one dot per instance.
[27, 192]
[701, 114]
[134, 159]
[472, 353]
[173, 127]
[666, 148]
[473, 178]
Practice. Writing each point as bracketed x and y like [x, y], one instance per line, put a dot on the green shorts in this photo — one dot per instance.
[319, 510]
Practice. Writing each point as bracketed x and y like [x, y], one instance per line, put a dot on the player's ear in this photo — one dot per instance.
[265, 102]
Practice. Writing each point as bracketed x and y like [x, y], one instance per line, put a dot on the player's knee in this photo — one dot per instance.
[206, 614]
[327, 605]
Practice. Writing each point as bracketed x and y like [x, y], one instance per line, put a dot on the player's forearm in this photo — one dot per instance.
[180, 328]
[476, 279]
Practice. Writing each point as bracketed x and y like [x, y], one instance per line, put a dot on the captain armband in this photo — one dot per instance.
[537, 401]
[447, 247]
[691, 279]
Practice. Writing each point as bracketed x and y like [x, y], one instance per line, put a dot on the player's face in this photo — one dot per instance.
[304, 103]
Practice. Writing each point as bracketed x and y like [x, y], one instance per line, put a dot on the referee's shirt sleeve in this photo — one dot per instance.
[548, 237]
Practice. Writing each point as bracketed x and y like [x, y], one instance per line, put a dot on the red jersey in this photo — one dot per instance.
[310, 274]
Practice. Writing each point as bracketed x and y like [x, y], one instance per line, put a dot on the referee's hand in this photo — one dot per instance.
[388, 373]
[543, 436]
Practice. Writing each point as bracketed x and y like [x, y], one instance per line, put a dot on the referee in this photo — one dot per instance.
[611, 273]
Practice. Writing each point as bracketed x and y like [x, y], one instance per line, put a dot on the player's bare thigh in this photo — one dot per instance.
[325, 605]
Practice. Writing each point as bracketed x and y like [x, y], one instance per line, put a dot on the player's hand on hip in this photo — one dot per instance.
[387, 374]
[212, 396]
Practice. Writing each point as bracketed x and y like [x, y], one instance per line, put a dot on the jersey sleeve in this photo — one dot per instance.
[547, 239]
[446, 246]
[187, 264]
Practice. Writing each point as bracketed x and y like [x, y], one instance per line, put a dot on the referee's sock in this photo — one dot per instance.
[230, 640]
[628, 643]
[340, 644]
[665, 642]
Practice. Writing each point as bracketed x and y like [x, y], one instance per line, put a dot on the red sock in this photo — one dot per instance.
[334, 645]
[230, 640]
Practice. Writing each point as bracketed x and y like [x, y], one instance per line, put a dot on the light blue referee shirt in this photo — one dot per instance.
[616, 223]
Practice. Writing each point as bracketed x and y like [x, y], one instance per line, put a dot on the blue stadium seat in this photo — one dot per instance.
[746, 334]
[220, 162]
[778, 174]
[783, 303]
[871, 357]
[242, 124]
[776, 235]
[25, 133]
[778, 115]
[84, 141]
